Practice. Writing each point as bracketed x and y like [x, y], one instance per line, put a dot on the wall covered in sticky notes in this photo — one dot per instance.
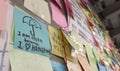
[53, 35]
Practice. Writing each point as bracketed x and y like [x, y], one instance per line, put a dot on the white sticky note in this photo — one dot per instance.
[24, 61]
[40, 8]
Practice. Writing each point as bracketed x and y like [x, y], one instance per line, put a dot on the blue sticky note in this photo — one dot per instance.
[57, 66]
[31, 35]
[101, 67]
[108, 68]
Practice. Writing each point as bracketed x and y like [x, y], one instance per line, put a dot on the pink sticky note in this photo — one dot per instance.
[59, 3]
[3, 14]
[58, 17]
[86, 1]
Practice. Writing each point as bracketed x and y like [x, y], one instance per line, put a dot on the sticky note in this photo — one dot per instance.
[40, 8]
[31, 35]
[101, 67]
[58, 43]
[84, 62]
[58, 17]
[59, 3]
[74, 39]
[96, 55]
[91, 57]
[73, 66]
[3, 14]
[86, 1]
[69, 8]
[57, 66]
[24, 61]
[108, 68]
[80, 24]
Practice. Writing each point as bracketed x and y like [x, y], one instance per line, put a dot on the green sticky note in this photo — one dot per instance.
[95, 53]
[91, 57]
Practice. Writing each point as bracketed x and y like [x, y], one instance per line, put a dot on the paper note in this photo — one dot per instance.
[3, 14]
[101, 67]
[108, 68]
[95, 53]
[30, 34]
[58, 43]
[58, 17]
[74, 39]
[84, 62]
[24, 61]
[57, 66]
[58, 3]
[73, 66]
[69, 8]
[40, 8]
[91, 57]
[80, 24]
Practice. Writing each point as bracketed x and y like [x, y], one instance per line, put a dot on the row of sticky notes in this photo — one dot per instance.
[32, 42]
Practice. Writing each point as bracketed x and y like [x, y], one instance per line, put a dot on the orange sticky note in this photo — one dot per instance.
[3, 14]
[84, 62]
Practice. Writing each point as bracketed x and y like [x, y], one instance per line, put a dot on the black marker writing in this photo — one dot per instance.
[27, 46]
[19, 33]
[31, 22]
[20, 43]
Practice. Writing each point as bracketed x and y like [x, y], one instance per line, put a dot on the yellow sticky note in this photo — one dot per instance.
[91, 57]
[40, 8]
[58, 43]
[24, 61]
